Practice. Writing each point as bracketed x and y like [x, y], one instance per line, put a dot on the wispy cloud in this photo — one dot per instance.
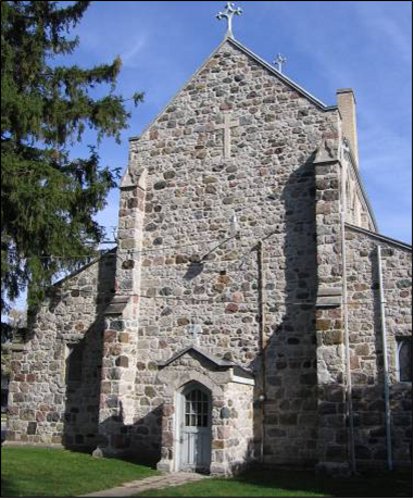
[360, 44]
[381, 23]
[137, 46]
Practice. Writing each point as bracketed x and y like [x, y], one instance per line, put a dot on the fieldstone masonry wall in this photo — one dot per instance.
[366, 347]
[332, 432]
[233, 445]
[236, 140]
[193, 191]
[43, 406]
[120, 338]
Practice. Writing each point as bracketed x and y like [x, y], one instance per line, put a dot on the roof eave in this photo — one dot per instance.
[381, 237]
[281, 76]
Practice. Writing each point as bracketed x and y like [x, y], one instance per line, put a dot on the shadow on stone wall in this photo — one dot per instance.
[194, 269]
[146, 437]
[83, 370]
[139, 442]
[368, 397]
[367, 390]
[290, 408]
[248, 461]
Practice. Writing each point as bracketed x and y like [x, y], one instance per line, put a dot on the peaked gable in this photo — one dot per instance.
[225, 45]
[217, 363]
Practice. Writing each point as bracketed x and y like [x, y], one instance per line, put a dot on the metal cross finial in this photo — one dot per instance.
[228, 13]
[279, 61]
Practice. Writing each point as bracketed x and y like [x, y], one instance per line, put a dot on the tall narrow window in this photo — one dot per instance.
[74, 363]
[405, 359]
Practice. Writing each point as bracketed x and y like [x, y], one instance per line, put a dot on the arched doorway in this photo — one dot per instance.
[194, 428]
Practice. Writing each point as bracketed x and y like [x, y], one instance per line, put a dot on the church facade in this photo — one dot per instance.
[251, 312]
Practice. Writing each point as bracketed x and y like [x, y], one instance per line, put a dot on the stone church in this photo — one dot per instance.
[251, 312]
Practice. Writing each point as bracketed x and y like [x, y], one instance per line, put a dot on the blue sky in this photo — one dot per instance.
[364, 45]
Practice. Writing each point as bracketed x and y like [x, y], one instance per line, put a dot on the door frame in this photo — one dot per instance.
[180, 417]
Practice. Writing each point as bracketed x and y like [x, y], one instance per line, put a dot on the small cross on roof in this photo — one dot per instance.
[279, 61]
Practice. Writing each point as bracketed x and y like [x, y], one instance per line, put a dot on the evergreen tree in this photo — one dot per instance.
[48, 199]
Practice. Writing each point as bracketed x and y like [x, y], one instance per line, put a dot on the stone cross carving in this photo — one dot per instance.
[195, 329]
[228, 13]
[279, 61]
[226, 127]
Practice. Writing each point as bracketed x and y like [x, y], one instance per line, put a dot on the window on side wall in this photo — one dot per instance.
[405, 359]
[74, 365]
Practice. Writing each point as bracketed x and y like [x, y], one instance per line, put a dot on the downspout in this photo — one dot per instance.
[385, 356]
[262, 345]
[350, 415]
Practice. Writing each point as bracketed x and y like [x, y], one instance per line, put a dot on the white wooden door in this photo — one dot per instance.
[195, 430]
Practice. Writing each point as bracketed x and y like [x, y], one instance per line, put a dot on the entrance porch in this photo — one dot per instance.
[207, 418]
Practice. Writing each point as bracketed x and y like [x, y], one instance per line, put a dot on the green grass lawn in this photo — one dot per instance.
[293, 484]
[42, 472]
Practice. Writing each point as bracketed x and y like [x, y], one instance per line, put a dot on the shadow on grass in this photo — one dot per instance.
[130, 459]
[379, 485]
[292, 483]
[8, 488]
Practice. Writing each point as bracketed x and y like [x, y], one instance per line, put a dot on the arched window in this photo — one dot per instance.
[405, 359]
[196, 408]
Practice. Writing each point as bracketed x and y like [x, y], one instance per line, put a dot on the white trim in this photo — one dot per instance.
[177, 417]
[241, 380]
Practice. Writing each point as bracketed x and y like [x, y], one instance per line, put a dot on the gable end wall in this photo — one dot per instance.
[192, 194]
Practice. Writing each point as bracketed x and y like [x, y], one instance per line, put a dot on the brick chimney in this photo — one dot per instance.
[347, 108]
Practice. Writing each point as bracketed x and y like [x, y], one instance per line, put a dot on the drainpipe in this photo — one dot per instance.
[262, 344]
[385, 355]
[351, 434]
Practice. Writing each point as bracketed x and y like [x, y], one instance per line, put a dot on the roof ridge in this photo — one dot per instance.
[181, 88]
[280, 75]
[259, 60]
